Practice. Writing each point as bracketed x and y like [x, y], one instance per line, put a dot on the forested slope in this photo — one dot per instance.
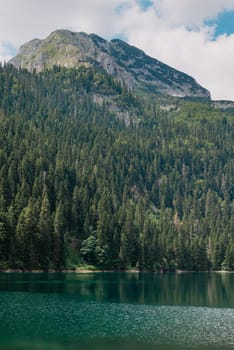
[90, 173]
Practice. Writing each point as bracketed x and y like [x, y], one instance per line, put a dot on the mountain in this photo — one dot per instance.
[124, 62]
[91, 173]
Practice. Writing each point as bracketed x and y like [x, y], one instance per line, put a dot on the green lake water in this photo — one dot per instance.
[117, 311]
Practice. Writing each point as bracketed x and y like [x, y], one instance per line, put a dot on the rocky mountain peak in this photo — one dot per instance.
[124, 62]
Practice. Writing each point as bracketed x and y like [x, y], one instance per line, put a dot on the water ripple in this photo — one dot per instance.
[28, 316]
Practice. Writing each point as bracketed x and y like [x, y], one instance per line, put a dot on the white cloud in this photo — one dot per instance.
[162, 32]
[22, 20]
[171, 30]
[190, 12]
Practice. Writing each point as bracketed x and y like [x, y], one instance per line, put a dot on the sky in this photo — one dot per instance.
[193, 36]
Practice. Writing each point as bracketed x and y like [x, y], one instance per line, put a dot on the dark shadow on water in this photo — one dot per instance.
[197, 289]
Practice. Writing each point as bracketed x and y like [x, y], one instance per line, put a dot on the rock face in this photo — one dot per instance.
[122, 61]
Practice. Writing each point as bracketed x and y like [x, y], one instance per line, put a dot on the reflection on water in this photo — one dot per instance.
[117, 311]
[197, 289]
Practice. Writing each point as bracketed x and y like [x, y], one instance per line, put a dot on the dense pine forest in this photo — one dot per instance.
[92, 174]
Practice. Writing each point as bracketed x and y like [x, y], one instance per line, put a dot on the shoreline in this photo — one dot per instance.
[89, 271]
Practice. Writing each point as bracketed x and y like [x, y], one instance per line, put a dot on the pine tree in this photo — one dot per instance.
[44, 232]
[58, 237]
[5, 239]
[26, 238]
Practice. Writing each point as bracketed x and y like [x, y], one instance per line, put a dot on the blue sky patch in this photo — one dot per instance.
[121, 8]
[224, 23]
[145, 4]
[9, 49]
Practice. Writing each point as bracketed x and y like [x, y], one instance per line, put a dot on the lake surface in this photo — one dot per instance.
[117, 311]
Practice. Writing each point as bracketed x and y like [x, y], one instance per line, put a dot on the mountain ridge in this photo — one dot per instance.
[126, 63]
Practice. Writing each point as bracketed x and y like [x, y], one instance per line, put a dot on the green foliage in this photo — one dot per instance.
[90, 173]
[88, 250]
